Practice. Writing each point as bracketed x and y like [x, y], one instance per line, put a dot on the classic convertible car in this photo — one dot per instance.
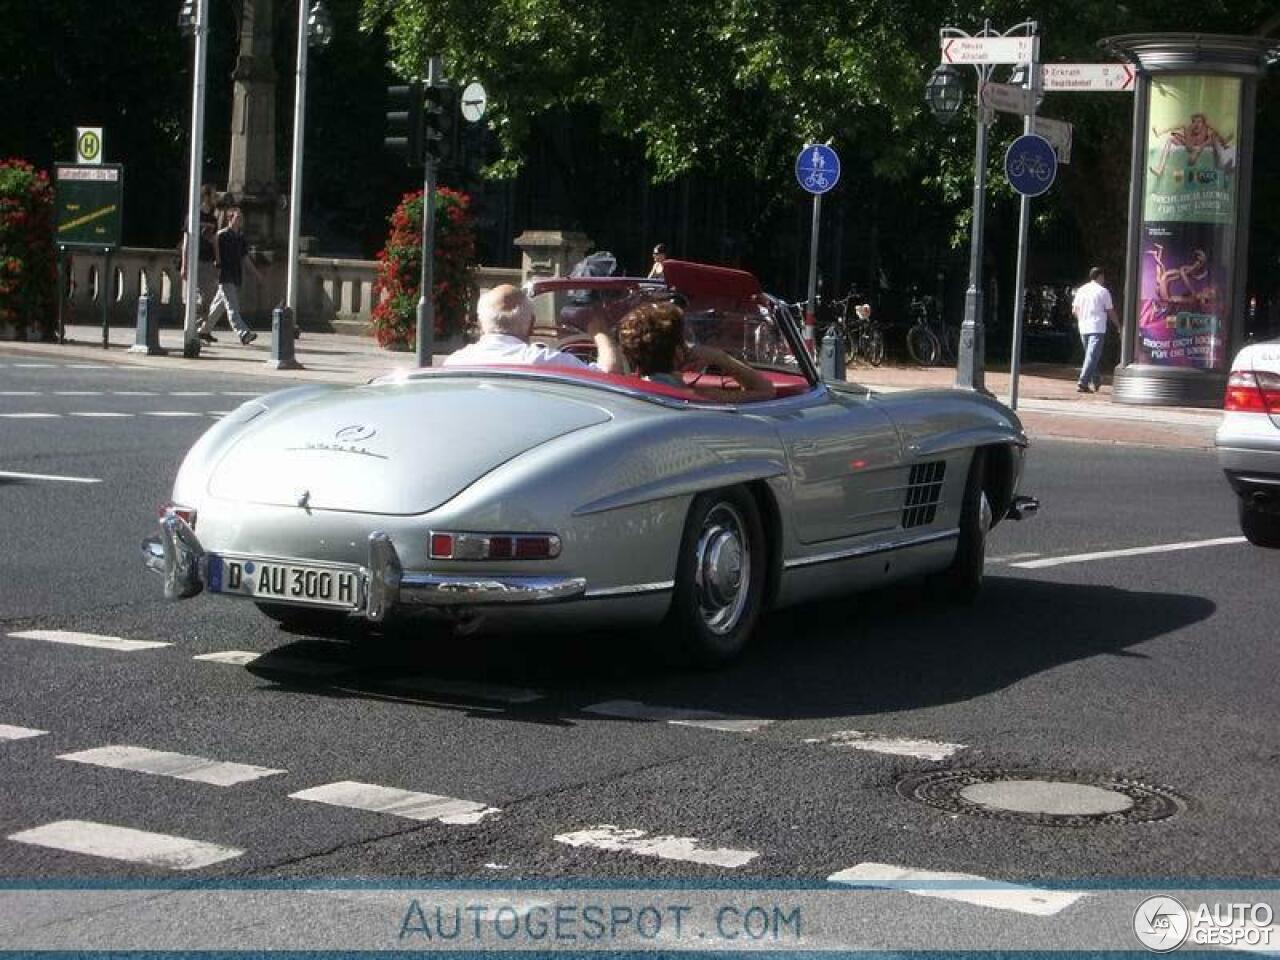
[509, 496]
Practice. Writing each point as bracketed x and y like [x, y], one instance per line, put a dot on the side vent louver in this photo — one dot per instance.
[924, 492]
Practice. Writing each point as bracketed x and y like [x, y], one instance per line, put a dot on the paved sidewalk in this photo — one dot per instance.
[1047, 399]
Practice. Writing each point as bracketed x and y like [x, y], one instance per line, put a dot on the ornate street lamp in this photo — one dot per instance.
[315, 28]
[944, 93]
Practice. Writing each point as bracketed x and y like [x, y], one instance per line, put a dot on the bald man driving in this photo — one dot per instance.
[506, 322]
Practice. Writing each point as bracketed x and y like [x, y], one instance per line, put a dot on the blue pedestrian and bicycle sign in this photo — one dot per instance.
[817, 168]
[1030, 164]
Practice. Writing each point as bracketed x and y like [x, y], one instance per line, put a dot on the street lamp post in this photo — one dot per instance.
[314, 28]
[943, 95]
[193, 19]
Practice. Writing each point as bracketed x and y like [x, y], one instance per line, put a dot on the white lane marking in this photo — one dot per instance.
[132, 393]
[397, 802]
[709, 719]
[77, 393]
[125, 843]
[192, 393]
[1011, 557]
[88, 640]
[466, 688]
[99, 414]
[180, 766]
[219, 413]
[88, 366]
[896, 746]
[1130, 552]
[30, 416]
[239, 393]
[961, 887]
[35, 366]
[21, 393]
[172, 413]
[237, 658]
[10, 732]
[608, 837]
[14, 475]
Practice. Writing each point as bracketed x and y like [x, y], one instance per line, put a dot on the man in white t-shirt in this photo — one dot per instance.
[506, 323]
[1093, 310]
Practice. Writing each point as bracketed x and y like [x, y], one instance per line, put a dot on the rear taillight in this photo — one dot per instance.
[186, 514]
[1253, 391]
[494, 546]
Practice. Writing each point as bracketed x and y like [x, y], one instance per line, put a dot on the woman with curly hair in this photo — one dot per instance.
[652, 339]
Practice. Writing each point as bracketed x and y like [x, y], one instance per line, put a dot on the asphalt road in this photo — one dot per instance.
[1159, 668]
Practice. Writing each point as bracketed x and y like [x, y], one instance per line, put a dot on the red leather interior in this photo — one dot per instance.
[786, 384]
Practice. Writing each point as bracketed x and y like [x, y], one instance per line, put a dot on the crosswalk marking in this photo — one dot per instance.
[961, 887]
[10, 732]
[682, 717]
[179, 766]
[689, 849]
[237, 658]
[896, 746]
[88, 640]
[125, 843]
[397, 802]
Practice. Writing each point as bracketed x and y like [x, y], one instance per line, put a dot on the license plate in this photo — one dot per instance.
[311, 584]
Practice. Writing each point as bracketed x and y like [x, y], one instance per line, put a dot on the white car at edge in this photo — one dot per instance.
[1248, 440]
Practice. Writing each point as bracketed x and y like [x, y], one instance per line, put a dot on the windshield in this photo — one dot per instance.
[745, 327]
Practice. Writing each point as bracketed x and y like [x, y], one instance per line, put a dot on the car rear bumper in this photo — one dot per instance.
[178, 556]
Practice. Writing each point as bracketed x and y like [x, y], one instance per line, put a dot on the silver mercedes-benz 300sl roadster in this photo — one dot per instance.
[550, 496]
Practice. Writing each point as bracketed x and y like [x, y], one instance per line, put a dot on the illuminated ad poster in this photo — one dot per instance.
[1189, 222]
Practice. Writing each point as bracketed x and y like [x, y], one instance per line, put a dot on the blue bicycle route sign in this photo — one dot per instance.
[1030, 164]
[817, 168]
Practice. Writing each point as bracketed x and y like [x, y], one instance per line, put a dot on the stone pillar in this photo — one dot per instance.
[549, 253]
[1188, 235]
[252, 173]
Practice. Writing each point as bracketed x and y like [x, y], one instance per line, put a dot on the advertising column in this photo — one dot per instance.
[1188, 229]
[1189, 223]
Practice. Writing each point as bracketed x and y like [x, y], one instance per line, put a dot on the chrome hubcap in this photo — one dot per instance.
[722, 569]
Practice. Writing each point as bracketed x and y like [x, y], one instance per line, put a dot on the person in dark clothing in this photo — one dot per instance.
[233, 253]
[205, 264]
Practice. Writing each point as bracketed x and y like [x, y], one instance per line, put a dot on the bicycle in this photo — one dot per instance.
[863, 336]
[930, 340]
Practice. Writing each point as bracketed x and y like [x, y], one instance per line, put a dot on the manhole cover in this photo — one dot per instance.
[1053, 798]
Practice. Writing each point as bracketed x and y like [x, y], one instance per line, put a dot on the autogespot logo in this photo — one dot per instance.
[1161, 923]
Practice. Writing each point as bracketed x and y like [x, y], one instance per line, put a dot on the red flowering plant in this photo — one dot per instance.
[395, 292]
[28, 264]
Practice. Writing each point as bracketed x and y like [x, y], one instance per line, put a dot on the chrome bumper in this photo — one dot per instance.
[178, 556]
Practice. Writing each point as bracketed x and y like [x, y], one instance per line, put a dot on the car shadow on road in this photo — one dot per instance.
[865, 654]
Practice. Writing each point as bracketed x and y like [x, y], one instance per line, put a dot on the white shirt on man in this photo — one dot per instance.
[1090, 305]
[502, 348]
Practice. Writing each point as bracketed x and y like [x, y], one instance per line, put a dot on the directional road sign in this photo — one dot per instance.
[817, 168]
[1058, 133]
[988, 49]
[1008, 98]
[1088, 77]
[1030, 165]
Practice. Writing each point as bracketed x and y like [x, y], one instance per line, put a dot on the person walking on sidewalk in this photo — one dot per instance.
[1093, 310]
[205, 263]
[233, 252]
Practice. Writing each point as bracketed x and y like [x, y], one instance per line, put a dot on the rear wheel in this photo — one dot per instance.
[720, 576]
[1261, 529]
[872, 347]
[962, 581]
[922, 345]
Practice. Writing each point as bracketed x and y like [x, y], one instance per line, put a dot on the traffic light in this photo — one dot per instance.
[405, 122]
[439, 114]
